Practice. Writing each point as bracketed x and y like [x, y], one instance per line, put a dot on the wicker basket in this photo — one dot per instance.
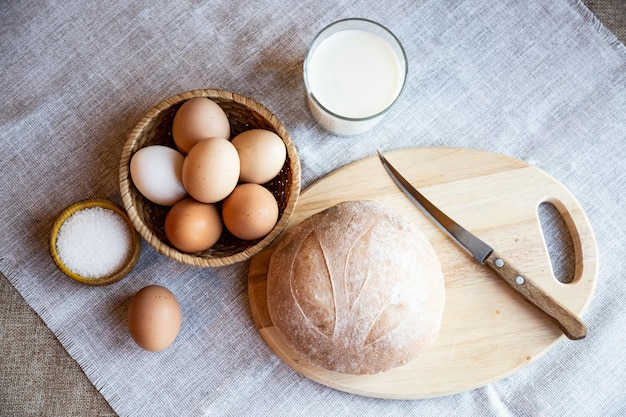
[156, 128]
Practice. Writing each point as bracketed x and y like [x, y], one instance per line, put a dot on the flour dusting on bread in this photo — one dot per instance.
[356, 288]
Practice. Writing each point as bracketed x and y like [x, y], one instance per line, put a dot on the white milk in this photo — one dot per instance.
[355, 74]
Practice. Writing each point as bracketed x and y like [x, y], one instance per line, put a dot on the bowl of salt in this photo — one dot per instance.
[93, 242]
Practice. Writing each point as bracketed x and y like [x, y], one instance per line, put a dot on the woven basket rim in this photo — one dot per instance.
[144, 230]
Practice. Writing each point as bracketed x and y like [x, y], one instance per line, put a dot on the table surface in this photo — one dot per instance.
[38, 377]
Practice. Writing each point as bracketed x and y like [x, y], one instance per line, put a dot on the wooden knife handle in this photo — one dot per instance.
[572, 326]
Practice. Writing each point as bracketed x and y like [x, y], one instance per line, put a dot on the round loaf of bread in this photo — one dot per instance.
[356, 289]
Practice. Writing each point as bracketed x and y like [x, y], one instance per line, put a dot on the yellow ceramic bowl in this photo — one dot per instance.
[131, 259]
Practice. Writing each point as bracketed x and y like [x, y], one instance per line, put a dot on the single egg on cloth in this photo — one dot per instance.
[156, 171]
[192, 226]
[250, 211]
[262, 154]
[154, 318]
[211, 170]
[197, 119]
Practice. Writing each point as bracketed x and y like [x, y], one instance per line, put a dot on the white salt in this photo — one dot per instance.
[94, 242]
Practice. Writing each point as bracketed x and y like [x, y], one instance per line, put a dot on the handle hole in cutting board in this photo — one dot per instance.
[558, 241]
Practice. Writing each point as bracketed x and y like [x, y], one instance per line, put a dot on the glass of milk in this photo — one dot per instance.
[354, 71]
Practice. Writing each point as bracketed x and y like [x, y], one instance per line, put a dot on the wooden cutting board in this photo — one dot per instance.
[488, 331]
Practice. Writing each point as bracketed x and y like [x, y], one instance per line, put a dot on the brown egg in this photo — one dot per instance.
[154, 318]
[250, 212]
[211, 170]
[192, 226]
[197, 119]
[262, 154]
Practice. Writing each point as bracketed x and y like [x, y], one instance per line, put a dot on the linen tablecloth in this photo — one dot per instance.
[543, 82]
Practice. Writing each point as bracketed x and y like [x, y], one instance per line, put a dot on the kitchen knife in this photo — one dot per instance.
[570, 324]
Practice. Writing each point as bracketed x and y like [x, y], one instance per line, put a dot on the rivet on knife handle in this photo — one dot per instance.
[570, 324]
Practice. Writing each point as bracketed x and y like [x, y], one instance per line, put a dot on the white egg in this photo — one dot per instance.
[156, 171]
